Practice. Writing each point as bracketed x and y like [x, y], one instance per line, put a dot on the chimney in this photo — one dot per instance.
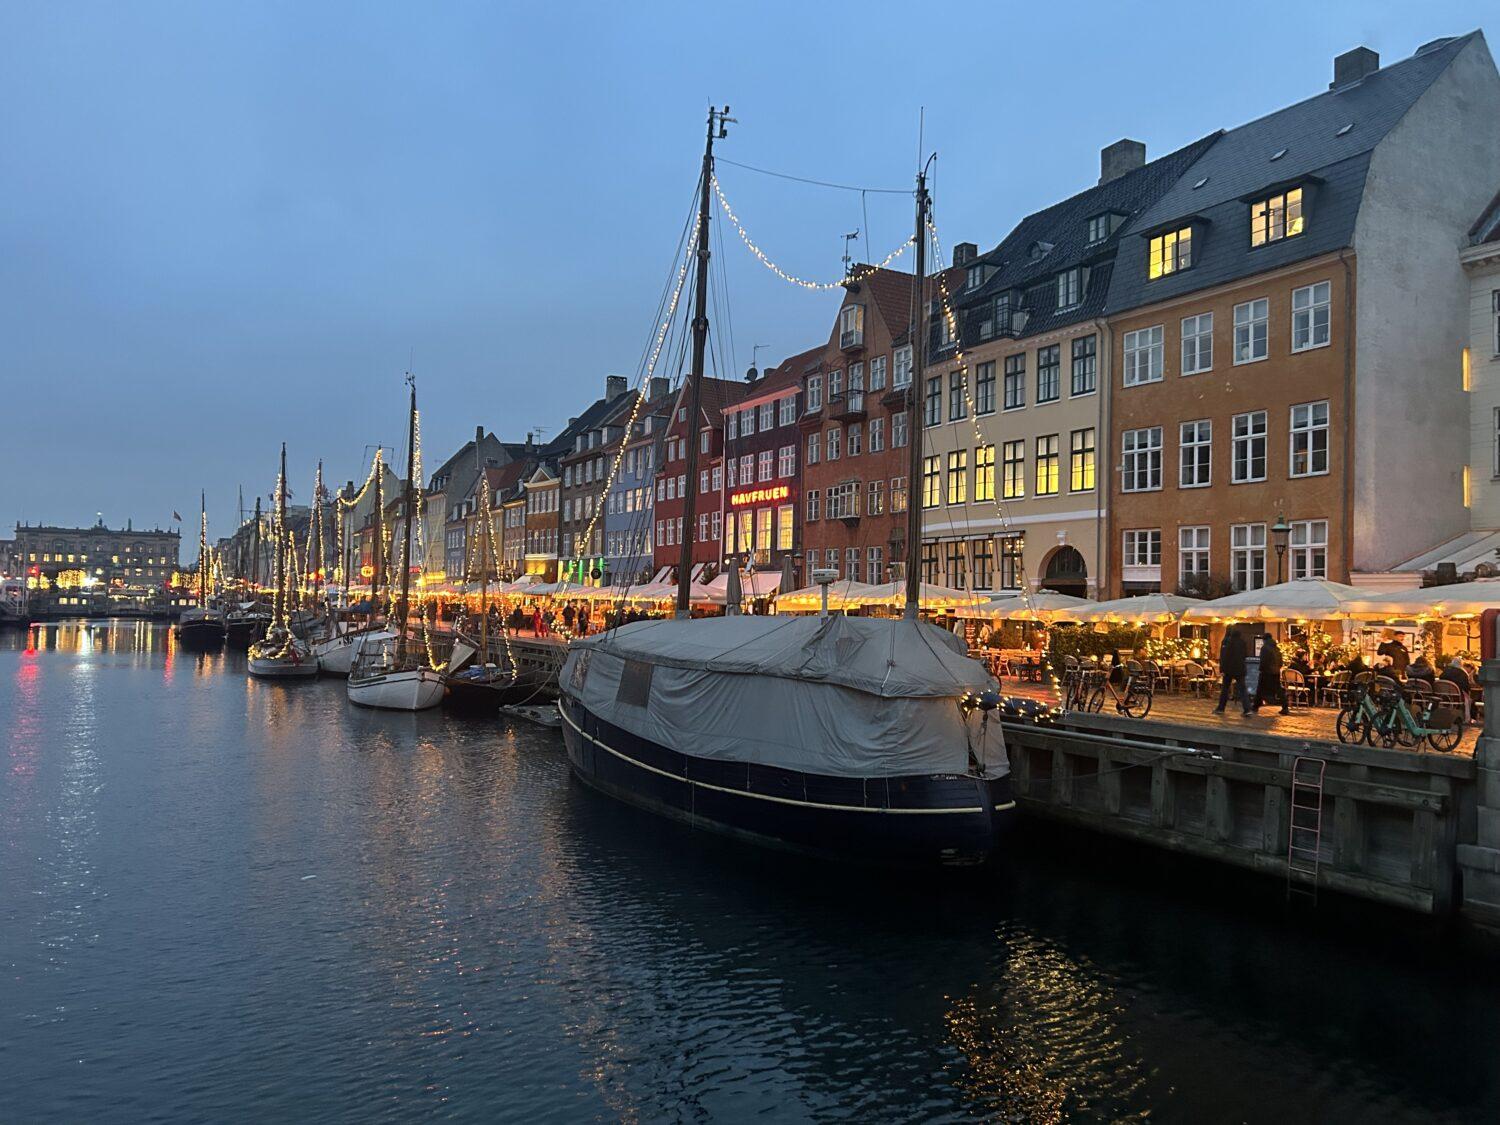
[1351, 66]
[964, 253]
[1121, 157]
[478, 435]
[660, 385]
[614, 387]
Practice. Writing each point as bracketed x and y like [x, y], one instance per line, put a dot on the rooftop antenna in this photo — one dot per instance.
[754, 372]
[852, 236]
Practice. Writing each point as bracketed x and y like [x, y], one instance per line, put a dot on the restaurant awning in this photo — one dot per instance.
[1144, 609]
[757, 584]
[930, 596]
[1302, 599]
[1460, 599]
[1042, 607]
[845, 594]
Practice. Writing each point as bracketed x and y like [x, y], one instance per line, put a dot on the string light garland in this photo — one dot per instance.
[818, 286]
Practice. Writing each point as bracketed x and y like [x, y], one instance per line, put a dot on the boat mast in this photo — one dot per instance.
[484, 563]
[255, 552]
[378, 554]
[202, 550]
[406, 505]
[315, 546]
[280, 525]
[717, 120]
[913, 420]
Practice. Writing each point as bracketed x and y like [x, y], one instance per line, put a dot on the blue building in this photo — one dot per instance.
[629, 504]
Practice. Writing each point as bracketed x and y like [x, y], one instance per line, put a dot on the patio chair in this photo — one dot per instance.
[1295, 688]
[1159, 678]
[1335, 689]
[1193, 677]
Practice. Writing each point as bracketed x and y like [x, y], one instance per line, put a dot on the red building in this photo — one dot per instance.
[672, 482]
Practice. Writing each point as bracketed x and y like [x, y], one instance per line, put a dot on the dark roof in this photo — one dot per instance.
[1487, 227]
[591, 418]
[787, 373]
[1062, 232]
[1242, 163]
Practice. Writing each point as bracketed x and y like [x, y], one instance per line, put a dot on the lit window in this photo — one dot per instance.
[984, 472]
[1251, 321]
[1276, 217]
[1013, 470]
[932, 488]
[1081, 459]
[1047, 459]
[1197, 343]
[1310, 305]
[1309, 439]
[1143, 356]
[1141, 459]
[958, 476]
[875, 497]
[784, 518]
[1170, 252]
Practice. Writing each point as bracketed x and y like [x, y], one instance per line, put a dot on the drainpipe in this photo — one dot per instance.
[1348, 467]
[1102, 452]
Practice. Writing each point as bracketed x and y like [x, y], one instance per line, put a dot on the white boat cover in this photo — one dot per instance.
[842, 696]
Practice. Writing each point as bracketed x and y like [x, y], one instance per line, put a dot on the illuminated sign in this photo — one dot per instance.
[367, 572]
[759, 495]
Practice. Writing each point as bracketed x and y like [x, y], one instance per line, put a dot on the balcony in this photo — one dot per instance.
[848, 406]
[852, 339]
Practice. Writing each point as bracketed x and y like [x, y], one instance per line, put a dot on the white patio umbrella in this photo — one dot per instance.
[1144, 609]
[844, 594]
[1456, 600]
[1042, 607]
[929, 595]
[1302, 599]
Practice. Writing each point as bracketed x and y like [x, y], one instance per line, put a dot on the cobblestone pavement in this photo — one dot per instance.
[1195, 710]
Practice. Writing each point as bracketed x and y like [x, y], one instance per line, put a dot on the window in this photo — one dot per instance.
[875, 497]
[1015, 382]
[767, 416]
[1249, 448]
[747, 531]
[1250, 330]
[877, 434]
[1046, 465]
[930, 562]
[1011, 547]
[851, 326]
[932, 407]
[787, 408]
[932, 494]
[1100, 228]
[1143, 547]
[1309, 439]
[958, 569]
[1048, 373]
[1081, 458]
[877, 373]
[876, 557]
[747, 422]
[851, 563]
[899, 426]
[1141, 456]
[1170, 252]
[984, 472]
[982, 560]
[898, 495]
[747, 469]
[814, 447]
[901, 367]
[958, 401]
[856, 439]
[831, 558]
[1013, 470]
[1192, 556]
[1195, 454]
[786, 461]
[765, 464]
[1085, 365]
[1143, 356]
[1197, 343]
[958, 476]
[1247, 555]
[716, 525]
[842, 501]
[671, 488]
[856, 377]
[702, 481]
[1310, 306]
[835, 435]
[975, 277]
[812, 505]
[1070, 287]
[814, 393]
[835, 386]
[1309, 543]
[984, 389]
[1276, 217]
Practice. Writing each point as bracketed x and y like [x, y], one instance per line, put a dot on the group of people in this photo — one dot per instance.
[1234, 659]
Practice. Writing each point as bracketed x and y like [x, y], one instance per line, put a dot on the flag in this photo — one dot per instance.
[176, 517]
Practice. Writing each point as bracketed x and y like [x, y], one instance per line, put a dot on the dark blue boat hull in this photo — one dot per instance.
[953, 819]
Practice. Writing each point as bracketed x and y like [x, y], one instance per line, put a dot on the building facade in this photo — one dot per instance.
[542, 490]
[98, 555]
[630, 503]
[762, 471]
[672, 482]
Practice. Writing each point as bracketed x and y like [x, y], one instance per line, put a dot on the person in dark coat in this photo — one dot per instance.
[1231, 666]
[1393, 648]
[1269, 689]
[1421, 669]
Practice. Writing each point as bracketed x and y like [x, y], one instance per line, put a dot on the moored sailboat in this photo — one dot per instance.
[864, 738]
[280, 654]
[389, 674]
[202, 626]
[337, 652]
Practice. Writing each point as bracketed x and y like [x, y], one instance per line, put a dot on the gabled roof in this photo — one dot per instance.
[1486, 228]
[1316, 150]
[716, 395]
[590, 419]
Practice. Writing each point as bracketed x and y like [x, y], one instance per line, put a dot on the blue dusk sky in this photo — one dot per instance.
[224, 225]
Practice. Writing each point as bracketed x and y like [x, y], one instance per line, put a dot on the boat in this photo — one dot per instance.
[337, 651]
[394, 674]
[541, 714]
[202, 627]
[855, 738]
[281, 654]
[248, 619]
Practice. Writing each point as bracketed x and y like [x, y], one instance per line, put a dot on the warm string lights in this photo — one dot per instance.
[822, 286]
[341, 506]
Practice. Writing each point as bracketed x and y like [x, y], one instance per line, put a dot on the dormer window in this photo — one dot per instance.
[1276, 217]
[1039, 250]
[851, 326]
[978, 274]
[1102, 226]
[1170, 252]
[1071, 286]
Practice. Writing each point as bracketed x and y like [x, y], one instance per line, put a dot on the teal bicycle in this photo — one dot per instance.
[1386, 715]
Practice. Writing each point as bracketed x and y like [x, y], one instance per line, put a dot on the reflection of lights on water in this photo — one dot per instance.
[1043, 1042]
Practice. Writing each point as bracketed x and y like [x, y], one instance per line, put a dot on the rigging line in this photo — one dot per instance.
[809, 180]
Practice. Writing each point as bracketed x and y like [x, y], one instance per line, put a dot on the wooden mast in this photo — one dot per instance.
[913, 417]
[403, 605]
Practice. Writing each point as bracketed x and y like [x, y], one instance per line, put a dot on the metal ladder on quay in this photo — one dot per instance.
[1305, 827]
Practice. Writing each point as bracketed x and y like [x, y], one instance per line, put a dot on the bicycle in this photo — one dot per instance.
[1387, 715]
[1075, 689]
[1357, 718]
[1134, 701]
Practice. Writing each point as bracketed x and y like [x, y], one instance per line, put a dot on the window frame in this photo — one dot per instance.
[1308, 433]
[1083, 459]
[1247, 440]
[1133, 448]
[1013, 376]
[1049, 462]
[1169, 252]
[1084, 354]
[1132, 350]
[1199, 335]
[1201, 440]
[1194, 551]
[1310, 314]
[1249, 326]
[1052, 353]
[1288, 198]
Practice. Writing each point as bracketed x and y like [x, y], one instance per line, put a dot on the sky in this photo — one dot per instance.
[228, 225]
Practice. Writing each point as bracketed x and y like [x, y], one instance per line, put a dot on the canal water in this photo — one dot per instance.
[228, 900]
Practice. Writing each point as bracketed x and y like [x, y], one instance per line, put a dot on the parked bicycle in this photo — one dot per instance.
[1133, 698]
[1386, 715]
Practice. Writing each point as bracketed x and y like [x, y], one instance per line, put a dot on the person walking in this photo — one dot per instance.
[1270, 689]
[1231, 667]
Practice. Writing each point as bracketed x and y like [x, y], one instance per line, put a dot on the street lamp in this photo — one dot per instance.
[1279, 531]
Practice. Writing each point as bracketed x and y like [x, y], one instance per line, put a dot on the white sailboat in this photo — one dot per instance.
[280, 655]
[390, 674]
[337, 652]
